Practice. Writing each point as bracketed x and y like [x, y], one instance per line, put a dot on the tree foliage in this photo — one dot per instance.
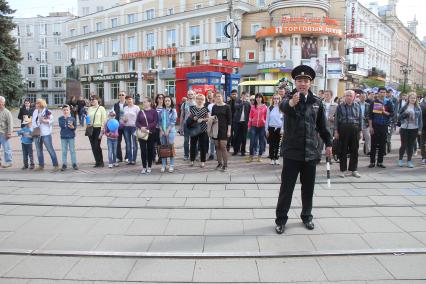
[11, 84]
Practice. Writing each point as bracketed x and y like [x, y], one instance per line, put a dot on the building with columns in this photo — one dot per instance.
[136, 46]
[289, 33]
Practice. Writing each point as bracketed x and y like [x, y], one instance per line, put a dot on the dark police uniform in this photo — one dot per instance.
[302, 124]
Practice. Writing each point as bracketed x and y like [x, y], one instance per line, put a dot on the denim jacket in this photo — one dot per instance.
[403, 117]
[170, 122]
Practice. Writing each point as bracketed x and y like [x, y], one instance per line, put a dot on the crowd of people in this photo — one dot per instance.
[212, 126]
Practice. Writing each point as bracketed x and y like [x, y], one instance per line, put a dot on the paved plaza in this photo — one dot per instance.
[203, 226]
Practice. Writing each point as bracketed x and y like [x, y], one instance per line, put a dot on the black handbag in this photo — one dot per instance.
[195, 130]
[89, 128]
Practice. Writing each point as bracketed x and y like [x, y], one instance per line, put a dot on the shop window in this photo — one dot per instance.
[131, 89]
[150, 86]
[115, 87]
[171, 88]
[86, 91]
[100, 91]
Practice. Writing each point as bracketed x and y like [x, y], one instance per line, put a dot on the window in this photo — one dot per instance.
[171, 61]
[58, 84]
[114, 22]
[56, 29]
[131, 18]
[150, 89]
[59, 99]
[150, 14]
[57, 55]
[222, 54]
[86, 53]
[73, 53]
[151, 63]
[45, 97]
[43, 42]
[251, 55]
[220, 37]
[86, 91]
[29, 30]
[30, 56]
[99, 8]
[31, 85]
[115, 46]
[131, 44]
[44, 84]
[58, 70]
[31, 70]
[170, 11]
[132, 65]
[86, 11]
[100, 68]
[72, 32]
[261, 3]
[99, 26]
[115, 87]
[254, 28]
[171, 88]
[43, 29]
[150, 41]
[86, 69]
[85, 29]
[171, 38]
[131, 89]
[195, 35]
[114, 67]
[195, 58]
[57, 41]
[43, 56]
[99, 50]
[100, 90]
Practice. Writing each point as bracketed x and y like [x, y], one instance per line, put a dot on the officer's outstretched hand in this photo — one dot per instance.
[294, 100]
[329, 151]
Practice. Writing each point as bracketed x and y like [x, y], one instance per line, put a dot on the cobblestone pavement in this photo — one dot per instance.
[202, 226]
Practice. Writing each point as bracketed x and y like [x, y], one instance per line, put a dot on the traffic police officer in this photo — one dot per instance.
[304, 119]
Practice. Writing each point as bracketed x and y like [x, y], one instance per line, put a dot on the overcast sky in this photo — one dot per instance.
[406, 9]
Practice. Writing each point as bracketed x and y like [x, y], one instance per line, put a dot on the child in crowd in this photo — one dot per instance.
[111, 132]
[27, 143]
[68, 124]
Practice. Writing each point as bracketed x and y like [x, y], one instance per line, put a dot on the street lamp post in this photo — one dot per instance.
[406, 69]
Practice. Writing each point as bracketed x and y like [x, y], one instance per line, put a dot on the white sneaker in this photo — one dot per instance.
[162, 170]
[356, 174]
[272, 162]
[143, 171]
[148, 171]
[342, 174]
[110, 166]
[171, 170]
[277, 162]
[116, 165]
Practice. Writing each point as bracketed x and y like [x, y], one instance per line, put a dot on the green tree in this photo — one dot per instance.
[11, 84]
[371, 83]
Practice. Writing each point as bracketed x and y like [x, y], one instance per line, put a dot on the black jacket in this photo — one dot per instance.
[23, 111]
[302, 125]
[239, 108]
[423, 108]
[117, 110]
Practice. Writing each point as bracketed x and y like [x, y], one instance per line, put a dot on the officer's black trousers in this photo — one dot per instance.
[349, 143]
[291, 169]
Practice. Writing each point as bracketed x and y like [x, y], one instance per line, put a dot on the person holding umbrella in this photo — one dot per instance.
[305, 118]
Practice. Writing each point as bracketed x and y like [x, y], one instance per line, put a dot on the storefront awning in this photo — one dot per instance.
[260, 83]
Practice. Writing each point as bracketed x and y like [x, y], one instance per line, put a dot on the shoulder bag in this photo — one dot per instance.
[89, 128]
[143, 134]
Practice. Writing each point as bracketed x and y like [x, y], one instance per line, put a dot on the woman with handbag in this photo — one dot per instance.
[146, 122]
[166, 122]
[223, 113]
[411, 125]
[96, 117]
[198, 129]
[42, 122]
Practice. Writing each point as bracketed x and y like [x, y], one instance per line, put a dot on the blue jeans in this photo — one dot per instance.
[170, 140]
[47, 141]
[68, 143]
[81, 117]
[131, 146]
[112, 150]
[185, 141]
[257, 137]
[5, 143]
[212, 147]
[27, 154]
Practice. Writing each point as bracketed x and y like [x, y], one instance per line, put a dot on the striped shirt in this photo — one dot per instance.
[200, 113]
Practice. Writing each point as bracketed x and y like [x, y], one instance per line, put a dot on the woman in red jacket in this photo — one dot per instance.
[256, 125]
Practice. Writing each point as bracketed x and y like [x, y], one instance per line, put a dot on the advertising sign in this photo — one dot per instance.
[334, 68]
[309, 47]
[282, 49]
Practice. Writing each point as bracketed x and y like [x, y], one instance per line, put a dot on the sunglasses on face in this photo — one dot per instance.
[122, 95]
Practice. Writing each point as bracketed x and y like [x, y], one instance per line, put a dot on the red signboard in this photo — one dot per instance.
[226, 63]
[150, 53]
[358, 50]
[326, 20]
[202, 89]
[354, 35]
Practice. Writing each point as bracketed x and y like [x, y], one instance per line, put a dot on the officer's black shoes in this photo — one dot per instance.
[381, 166]
[279, 229]
[309, 225]
[371, 166]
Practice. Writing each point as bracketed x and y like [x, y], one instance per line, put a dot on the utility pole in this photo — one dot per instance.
[231, 19]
